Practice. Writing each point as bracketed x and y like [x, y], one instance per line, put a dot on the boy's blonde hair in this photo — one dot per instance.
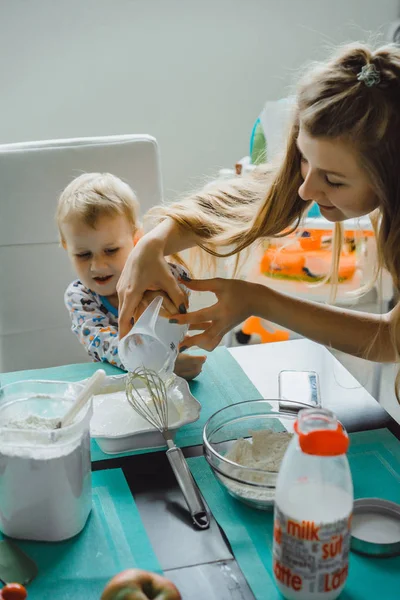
[93, 195]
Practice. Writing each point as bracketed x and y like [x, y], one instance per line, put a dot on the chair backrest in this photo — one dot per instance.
[34, 270]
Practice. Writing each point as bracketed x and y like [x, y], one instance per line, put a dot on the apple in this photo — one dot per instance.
[135, 584]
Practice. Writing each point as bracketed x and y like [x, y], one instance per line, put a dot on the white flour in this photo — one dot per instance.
[45, 481]
[264, 452]
[32, 422]
[113, 415]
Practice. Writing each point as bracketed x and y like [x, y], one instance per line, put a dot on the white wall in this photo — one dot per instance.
[193, 73]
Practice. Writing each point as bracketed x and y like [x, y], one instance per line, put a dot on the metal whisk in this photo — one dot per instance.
[155, 410]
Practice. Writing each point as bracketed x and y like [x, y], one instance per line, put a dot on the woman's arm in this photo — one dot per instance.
[170, 238]
[361, 334]
[358, 333]
[222, 215]
[147, 269]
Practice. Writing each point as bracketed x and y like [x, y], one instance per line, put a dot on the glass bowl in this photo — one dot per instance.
[253, 486]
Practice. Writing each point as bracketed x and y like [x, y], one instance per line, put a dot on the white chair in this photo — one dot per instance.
[34, 269]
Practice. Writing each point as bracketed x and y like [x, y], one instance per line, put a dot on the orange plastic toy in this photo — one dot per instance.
[303, 258]
[307, 258]
[13, 591]
[253, 325]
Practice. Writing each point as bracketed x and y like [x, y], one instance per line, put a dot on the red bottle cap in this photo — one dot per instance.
[323, 442]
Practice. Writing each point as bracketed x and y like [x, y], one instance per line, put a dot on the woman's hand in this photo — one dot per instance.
[135, 584]
[167, 309]
[145, 269]
[189, 366]
[234, 305]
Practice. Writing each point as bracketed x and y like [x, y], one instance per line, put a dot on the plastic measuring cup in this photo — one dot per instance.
[153, 342]
[45, 474]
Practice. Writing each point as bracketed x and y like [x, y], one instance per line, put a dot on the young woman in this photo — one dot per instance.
[343, 153]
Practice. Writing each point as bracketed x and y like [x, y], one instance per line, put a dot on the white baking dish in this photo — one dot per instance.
[117, 428]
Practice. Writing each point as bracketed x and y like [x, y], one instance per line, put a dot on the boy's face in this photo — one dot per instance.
[99, 254]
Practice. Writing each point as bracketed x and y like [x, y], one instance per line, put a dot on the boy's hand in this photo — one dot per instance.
[189, 366]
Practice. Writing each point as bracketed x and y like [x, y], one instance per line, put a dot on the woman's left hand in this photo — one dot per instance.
[233, 306]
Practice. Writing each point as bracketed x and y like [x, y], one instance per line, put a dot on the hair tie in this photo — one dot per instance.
[369, 74]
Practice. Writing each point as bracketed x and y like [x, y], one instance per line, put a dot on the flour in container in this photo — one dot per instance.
[263, 452]
[45, 478]
[32, 422]
[114, 416]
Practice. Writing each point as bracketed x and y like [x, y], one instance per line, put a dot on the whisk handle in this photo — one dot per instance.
[188, 487]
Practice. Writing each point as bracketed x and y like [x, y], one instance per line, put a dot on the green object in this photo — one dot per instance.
[375, 464]
[113, 540]
[15, 565]
[222, 382]
[258, 144]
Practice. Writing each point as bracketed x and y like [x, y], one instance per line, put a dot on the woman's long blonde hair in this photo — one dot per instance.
[332, 103]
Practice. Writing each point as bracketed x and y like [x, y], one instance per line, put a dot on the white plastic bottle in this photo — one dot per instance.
[313, 508]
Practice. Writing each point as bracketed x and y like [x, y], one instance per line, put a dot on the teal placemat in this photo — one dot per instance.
[114, 539]
[375, 464]
[222, 382]
[62, 373]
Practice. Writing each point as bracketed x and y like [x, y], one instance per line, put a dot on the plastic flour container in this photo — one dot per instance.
[45, 473]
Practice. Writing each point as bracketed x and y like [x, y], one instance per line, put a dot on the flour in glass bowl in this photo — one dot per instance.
[264, 453]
